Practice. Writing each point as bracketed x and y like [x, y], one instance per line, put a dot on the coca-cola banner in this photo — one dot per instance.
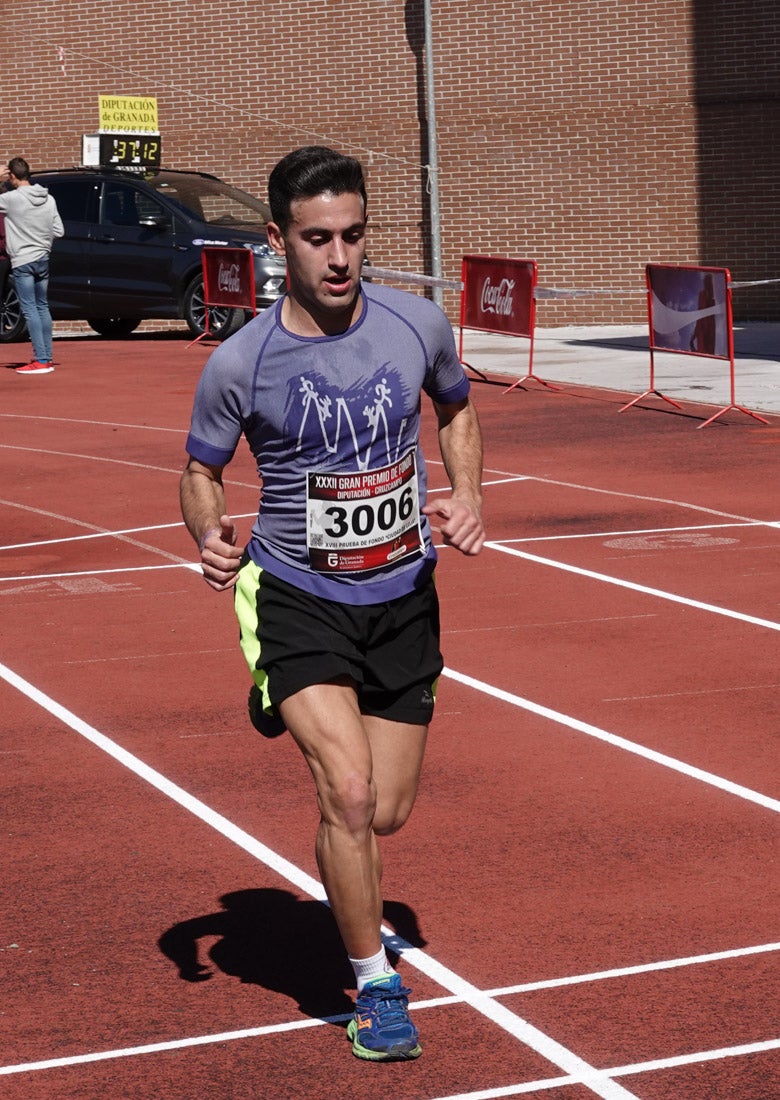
[690, 309]
[229, 277]
[498, 295]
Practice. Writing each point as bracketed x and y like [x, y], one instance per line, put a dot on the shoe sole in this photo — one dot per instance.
[379, 1055]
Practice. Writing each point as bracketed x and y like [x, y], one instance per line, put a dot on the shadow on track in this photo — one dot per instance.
[271, 938]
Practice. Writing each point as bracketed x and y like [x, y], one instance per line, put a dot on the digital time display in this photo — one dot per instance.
[143, 150]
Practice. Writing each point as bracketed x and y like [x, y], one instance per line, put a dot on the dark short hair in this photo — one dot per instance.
[312, 170]
[19, 167]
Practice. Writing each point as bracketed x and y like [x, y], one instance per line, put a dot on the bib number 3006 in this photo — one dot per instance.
[360, 521]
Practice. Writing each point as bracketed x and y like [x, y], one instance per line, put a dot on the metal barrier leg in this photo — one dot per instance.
[651, 393]
[728, 408]
[532, 378]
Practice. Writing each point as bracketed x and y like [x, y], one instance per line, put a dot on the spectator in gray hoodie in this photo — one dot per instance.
[32, 222]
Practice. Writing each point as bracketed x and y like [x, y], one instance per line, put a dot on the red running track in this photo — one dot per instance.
[586, 896]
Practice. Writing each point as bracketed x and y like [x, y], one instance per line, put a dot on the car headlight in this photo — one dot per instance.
[263, 250]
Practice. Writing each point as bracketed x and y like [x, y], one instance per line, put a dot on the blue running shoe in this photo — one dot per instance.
[381, 1030]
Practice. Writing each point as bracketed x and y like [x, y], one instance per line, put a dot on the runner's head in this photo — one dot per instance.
[318, 207]
[312, 170]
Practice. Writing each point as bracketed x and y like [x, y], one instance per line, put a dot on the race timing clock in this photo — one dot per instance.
[131, 149]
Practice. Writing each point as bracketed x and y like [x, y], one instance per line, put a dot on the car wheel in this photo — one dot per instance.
[13, 326]
[114, 326]
[223, 321]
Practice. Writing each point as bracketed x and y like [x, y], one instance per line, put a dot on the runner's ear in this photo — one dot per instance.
[276, 238]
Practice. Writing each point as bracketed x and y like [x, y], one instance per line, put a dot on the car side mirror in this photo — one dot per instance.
[156, 221]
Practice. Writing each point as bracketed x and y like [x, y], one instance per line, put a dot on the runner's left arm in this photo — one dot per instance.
[460, 441]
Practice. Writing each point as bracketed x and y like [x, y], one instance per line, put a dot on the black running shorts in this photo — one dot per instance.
[292, 640]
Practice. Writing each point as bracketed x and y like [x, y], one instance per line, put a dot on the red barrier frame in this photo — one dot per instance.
[228, 280]
[499, 295]
[690, 304]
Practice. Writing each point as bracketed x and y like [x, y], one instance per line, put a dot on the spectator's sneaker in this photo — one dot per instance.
[35, 368]
[381, 1030]
[270, 725]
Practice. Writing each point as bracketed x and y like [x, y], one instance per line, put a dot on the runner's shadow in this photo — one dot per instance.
[271, 938]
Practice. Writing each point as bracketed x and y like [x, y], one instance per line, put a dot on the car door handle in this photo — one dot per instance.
[107, 238]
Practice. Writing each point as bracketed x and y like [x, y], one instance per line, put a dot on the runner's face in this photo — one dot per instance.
[324, 246]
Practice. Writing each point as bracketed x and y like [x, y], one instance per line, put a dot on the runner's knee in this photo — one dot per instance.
[391, 815]
[350, 802]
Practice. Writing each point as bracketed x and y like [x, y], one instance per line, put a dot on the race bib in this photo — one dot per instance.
[364, 520]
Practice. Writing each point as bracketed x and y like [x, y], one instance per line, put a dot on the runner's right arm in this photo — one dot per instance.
[202, 497]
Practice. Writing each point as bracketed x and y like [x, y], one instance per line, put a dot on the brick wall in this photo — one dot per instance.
[593, 137]
[738, 99]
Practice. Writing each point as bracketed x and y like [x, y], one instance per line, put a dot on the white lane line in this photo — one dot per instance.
[665, 761]
[577, 1068]
[546, 712]
[105, 533]
[544, 1085]
[416, 1006]
[641, 496]
[96, 534]
[694, 1059]
[96, 423]
[644, 589]
[176, 471]
[157, 1048]
[728, 689]
[641, 968]
[500, 481]
[24, 577]
[537, 1040]
[155, 779]
[94, 528]
[638, 531]
[93, 458]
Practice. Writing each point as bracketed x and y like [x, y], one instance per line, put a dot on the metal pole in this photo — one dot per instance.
[433, 155]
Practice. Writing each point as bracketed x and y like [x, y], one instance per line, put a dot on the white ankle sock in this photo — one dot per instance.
[374, 967]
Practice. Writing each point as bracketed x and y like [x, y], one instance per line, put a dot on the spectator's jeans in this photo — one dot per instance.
[31, 282]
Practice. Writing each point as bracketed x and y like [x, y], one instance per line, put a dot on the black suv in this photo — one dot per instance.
[132, 250]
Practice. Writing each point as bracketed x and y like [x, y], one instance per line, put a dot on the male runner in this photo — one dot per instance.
[334, 592]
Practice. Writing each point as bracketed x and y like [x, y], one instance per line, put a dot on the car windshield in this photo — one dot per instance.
[212, 201]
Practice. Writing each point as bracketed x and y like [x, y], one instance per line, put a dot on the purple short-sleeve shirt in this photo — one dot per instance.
[333, 423]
